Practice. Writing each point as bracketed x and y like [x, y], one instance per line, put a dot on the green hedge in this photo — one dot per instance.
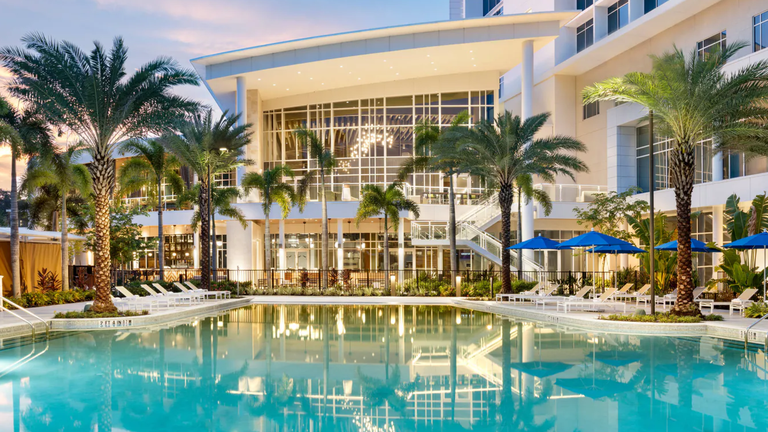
[89, 314]
[36, 299]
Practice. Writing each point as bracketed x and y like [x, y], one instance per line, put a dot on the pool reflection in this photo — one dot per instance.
[379, 368]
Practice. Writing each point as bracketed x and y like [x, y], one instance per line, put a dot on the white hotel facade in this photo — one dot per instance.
[364, 92]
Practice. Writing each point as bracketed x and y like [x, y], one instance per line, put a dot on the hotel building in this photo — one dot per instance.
[363, 92]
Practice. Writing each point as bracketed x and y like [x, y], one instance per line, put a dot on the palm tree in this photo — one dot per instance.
[325, 161]
[390, 202]
[91, 95]
[274, 190]
[524, 188]
[208, 148]
[691, 99]
[502, 151]
[59, 170]
[45, 209]
[150, 170]
[437, 151]
[25, 133]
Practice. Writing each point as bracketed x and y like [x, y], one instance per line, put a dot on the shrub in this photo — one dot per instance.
[37, 299]
[659, 317]
[756, 310]
[48, 281]
[73, 315]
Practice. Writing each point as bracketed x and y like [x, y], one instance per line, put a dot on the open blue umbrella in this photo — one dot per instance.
[537, 243]
[592, 238]
[617, 249]
[696, 246]
[757, 241]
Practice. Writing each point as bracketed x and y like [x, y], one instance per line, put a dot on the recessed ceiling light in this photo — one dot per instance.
[311, 78]
[299, 72]
[274, 85]
[259, 79]
[432, 63]
[391, 67]
[474, 65]
[322, 84]
[360, 79]
[287, 89]
[473, 58]
[427, 55]
[435, 68]
[385, 61]
[397, 73]
[341, 66]
[471, 51]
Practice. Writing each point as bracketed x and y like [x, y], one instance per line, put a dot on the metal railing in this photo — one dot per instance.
[746, 334]
[4, 300]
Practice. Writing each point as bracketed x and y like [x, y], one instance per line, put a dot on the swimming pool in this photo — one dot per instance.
[377, 368]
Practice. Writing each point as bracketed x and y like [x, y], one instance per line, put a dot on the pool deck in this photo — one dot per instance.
[732, 327]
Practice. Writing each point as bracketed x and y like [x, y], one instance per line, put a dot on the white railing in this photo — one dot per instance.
[571, 192]
[4, 300]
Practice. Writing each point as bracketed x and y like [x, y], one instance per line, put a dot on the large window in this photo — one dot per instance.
[490, 5]
[618, 15]
[583, 4]
[653, 4]
[760, 31]
[370, 138]
[591, 110]
[585, 36]
[711, 44]
[662, 151]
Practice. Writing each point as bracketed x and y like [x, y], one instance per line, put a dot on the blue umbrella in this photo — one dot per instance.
[617, 249]
[537, 243]
[757, 241]
[696, 246]
[592, 238]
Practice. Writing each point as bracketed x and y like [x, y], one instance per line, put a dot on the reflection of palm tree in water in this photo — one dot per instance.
[104, 360]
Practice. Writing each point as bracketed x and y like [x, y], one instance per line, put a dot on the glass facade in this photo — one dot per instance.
[585, 35]
[618, 15]
[583, 4]
[662, 150]
[370, 138]
[760, 31]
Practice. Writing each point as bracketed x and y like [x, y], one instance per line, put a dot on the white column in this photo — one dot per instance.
[239, 245]
[717, 166]
[526, 112]
[196, 250]
[717, 229]
[400, 249]
[340, 240]
[281, 245]
[600, 22]
[241, 106]
[440, 258]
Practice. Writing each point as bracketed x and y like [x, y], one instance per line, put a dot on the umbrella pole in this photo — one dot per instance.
[763, 274]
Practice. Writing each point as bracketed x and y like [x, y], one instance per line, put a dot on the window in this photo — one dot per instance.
[618, 15]
[662, 149]
[760, 31]
[490, 5]
[653, 4]
[585, 36]
[591, 110]
[583, 4]
[711, 44]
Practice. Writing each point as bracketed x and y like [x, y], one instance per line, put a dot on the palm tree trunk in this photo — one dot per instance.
[205, 237]
[387, 286]
[682, 170]
[14, 222]
[324, 240]
[267, 250]
[519, 232]
[452, 234]
[506, 197]
[64, 244]
[214, 246]
[160, 237]
[103, 174]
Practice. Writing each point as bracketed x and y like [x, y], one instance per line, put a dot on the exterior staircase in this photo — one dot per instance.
[470, 232]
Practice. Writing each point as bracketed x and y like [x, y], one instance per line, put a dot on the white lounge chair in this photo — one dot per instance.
[123, 303]
[580, 295]
[149, 301]
[624, 291]
[193, 297]
[605, 299]
[668, 299]
[192, 288]
[542, 293]
[171, 300]
[743, 301]
[627, 295]
[510, 297]
[704, 303]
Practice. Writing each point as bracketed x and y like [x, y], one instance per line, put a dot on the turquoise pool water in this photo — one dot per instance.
[385, 368]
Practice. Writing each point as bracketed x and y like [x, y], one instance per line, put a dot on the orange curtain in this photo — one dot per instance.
[34, 257]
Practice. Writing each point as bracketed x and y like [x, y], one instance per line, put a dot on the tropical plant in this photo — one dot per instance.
[324, 161]
[274, 190]
[58, 170]
[45, 209]
[524, 189]
[692, 98]
[125, 238]
[740, 224]
[91, 95]
[208, 147]
[25, 133]
[151, 169]
[390, 202]
[665, 262]
[48, 281]
[738, 275]
[756, 310]
[437, 150]
[501, 152]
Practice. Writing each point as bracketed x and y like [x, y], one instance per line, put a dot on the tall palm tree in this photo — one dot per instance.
[152, 168]
[691, 99]
[390, 202]
[502, 151]
[524, 188]
[45, 209]
[208, 147]
[221, 203]
[59, 170]
[274, 190]
[25, 133]
[437, 151]
[325, 161]
[91, 95]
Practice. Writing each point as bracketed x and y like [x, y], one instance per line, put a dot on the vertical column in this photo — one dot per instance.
[196, 250]
[239, 246]
[636, 9]
[526, 112]
[440, 258]
[400, 250]
[281, 245]
[241, 105]
[340, 243]
[717, 229]
[717, 166]
[601, 22]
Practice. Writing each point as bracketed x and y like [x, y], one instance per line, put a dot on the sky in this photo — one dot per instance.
[185, 29]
